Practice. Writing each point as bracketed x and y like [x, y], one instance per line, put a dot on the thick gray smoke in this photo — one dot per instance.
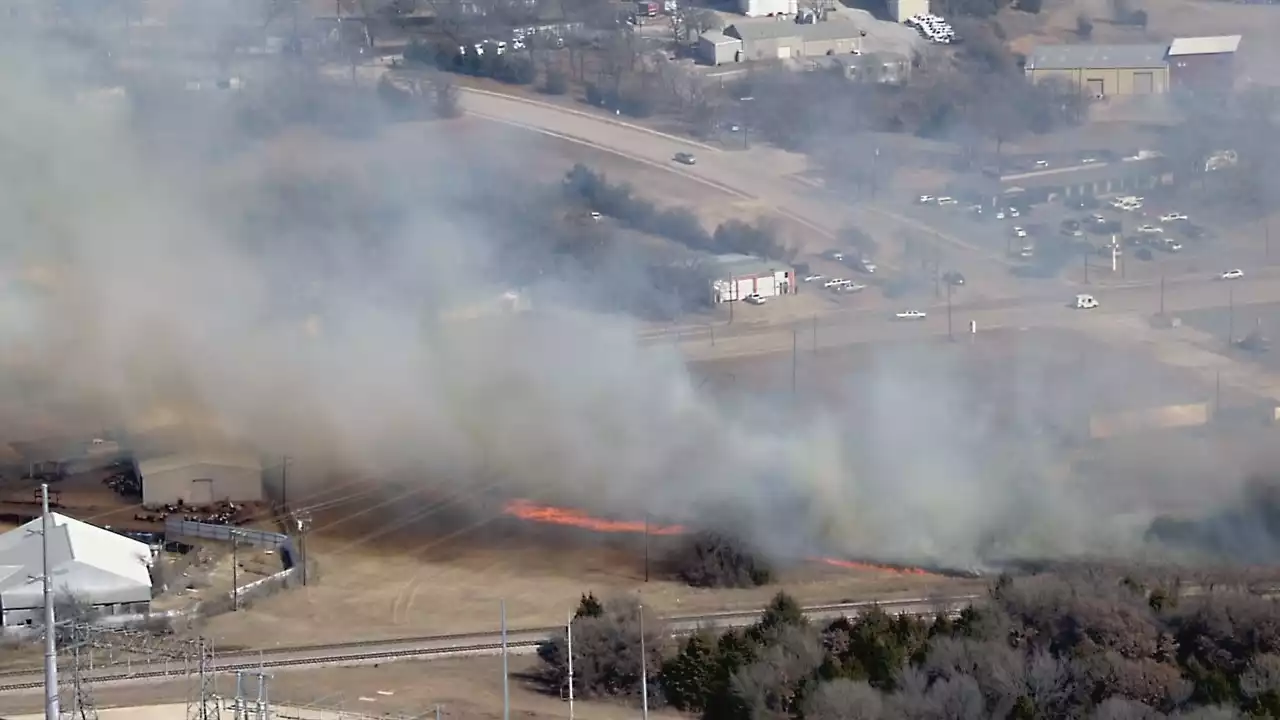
[138, 293]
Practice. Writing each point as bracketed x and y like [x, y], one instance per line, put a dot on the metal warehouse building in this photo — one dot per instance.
[201, 479]
[716, 48]
[91, 565]
[741, 275]
[902, 10]
[786, 40]
[1203, 62]
[1100, 71]
[763, 8]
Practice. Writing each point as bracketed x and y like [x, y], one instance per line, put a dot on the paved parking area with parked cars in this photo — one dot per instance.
[1148, 237]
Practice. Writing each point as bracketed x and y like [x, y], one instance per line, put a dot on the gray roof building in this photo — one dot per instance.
[740, 265]
[771, 30]
[1071, 57]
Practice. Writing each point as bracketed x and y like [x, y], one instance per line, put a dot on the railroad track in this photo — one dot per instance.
[457, 644]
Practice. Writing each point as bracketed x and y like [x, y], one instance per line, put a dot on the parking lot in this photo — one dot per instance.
[1156, 236]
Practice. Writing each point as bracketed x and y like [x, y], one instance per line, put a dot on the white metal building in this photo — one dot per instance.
[94, 566]
[743, 275]
[762, 8]
[716, 48]
[201, 479]
[900, 10]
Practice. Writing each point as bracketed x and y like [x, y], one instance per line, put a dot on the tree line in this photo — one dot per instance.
[1088, 644]
[619, 201]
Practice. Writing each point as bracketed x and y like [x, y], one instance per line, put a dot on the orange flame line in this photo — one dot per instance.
[853, 565]
[572, 517]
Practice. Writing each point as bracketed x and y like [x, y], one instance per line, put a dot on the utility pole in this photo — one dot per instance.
[284, 482]
[51, 707]
[1217, 392]
[950, 336]
[506, 676]
[1231, 316]
[570, 631]
[646, 547]
[795, 335]
[303, 524]
[644, 668]
[235, 571]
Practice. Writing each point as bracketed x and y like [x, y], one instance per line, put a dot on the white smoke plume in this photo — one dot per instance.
[136, 292]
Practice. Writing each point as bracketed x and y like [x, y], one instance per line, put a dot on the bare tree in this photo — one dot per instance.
[606, 652]
[957, 698]
[843, 699]
[769, 687]
[1118, 708]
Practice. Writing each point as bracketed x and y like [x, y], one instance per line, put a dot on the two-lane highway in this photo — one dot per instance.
[876, 325]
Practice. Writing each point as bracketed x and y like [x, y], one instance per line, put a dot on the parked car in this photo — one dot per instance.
[911, 315]
[1084, 202]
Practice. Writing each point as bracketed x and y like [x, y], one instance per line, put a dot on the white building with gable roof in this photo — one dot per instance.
[94, 566]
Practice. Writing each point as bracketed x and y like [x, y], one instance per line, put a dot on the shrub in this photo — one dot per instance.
[556, 83]
[710, 559]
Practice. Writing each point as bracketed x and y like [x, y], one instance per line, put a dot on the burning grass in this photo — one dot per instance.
[534, 512]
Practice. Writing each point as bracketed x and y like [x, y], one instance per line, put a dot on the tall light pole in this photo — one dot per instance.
[1231, 316]
[51, 708]
[506, 676]
[570, 632]
[644, 671]
[950, 336]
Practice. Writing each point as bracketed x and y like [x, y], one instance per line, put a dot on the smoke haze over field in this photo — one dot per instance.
[294, 300]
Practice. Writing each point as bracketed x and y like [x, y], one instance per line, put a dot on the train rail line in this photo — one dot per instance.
[457, 644]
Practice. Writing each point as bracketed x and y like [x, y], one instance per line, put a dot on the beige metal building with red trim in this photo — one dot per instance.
[741, 275]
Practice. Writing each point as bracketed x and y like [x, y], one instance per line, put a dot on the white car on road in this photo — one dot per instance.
[1019, 231]
[756, 299]
[926, 199]
[1150, 230]
[911, 315]
[1172, 217]
[1232, 275]
[811, 278]
[944, 200]
[835, 282]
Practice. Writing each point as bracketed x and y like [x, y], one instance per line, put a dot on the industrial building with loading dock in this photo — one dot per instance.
[1100, 71]
[201, 480]
[786, 40]
[740, 276]
[89, 565]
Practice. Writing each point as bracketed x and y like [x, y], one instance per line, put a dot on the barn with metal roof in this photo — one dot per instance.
[1101, 71]
[89, 565]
